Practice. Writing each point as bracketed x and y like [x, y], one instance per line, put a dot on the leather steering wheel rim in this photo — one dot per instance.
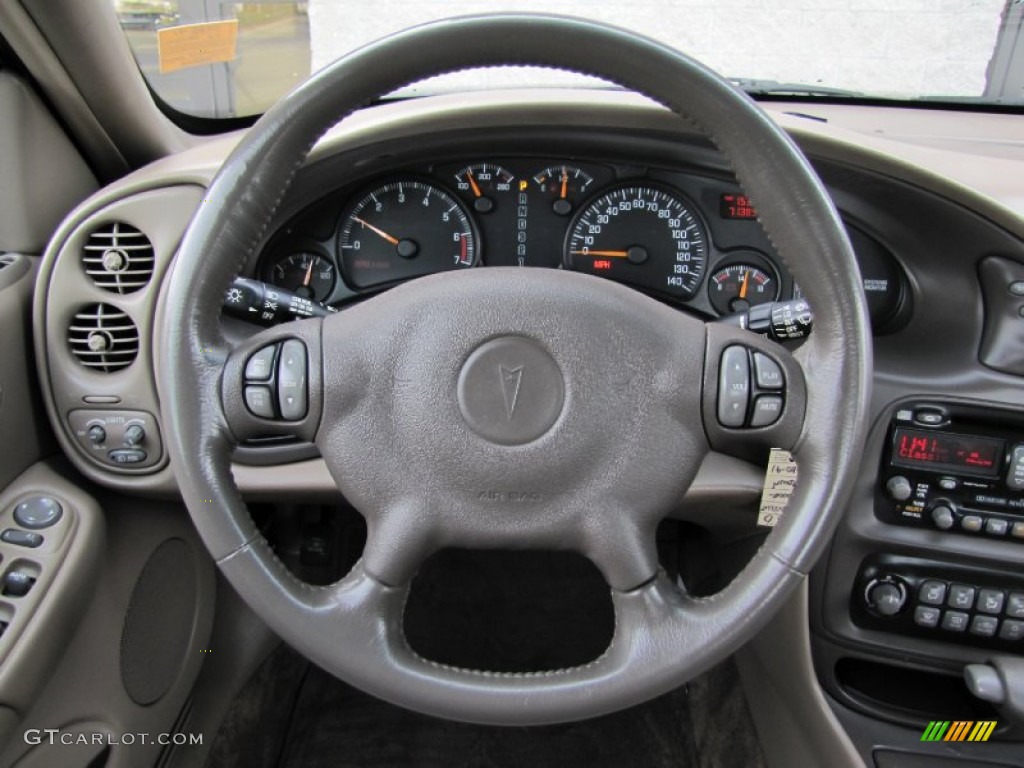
[663, 637]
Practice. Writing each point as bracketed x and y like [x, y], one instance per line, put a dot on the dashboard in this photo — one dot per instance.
[690, 240]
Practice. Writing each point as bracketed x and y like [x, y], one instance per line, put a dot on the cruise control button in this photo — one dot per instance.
[1015, 605]
[767, 409]
[1012, 630]
[932, 593]
[261, 365]
[769, 374]
[961, 596]
[984, 626]
[733, 387]
[260, 401]
[954, 621]
[38, 512]
[926, 616]
[991, 600]
[21, 538]
[291, 380]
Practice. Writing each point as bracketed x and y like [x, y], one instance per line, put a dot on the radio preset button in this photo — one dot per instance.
[899, 488]
[1017, 531]
[961, 596]
[996, 526]
[971, 523]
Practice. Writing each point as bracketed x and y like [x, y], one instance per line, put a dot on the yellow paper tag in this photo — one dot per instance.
[192, 45]
[779, 482]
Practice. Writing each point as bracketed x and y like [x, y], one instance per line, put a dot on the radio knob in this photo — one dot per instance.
[942, 516]
[885, 597]
[899, 488]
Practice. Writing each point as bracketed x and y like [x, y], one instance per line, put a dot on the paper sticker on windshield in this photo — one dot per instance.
[192, 45]
[779, 482]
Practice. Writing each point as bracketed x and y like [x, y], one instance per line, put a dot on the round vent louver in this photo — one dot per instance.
[103, 338]
[118, 258]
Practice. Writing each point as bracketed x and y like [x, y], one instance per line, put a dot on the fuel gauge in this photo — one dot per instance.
[740, 286]
[564, 185]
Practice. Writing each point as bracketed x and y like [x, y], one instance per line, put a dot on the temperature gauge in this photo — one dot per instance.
[307, 274]
[564, 185]
[486, 184]
[738, 287]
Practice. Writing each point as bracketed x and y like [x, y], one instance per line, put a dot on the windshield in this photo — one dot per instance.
[221, 59]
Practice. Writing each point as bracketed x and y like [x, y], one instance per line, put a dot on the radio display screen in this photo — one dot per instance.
[945, 451]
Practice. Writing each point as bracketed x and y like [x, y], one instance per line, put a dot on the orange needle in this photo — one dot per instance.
[619, 254]
[309, 274]
[381, 232]
[473, 184]
[565, 182]
[743, 285]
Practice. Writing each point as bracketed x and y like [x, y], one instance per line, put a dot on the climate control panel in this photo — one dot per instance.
[954, 468]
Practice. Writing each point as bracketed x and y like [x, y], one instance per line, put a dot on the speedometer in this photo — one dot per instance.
[640, 234]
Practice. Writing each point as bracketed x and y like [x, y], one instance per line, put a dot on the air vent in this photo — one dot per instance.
[6, 259]
[103, 338]
[118, 258]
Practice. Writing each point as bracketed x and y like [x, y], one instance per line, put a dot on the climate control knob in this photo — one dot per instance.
[885, 597]
[942, 516]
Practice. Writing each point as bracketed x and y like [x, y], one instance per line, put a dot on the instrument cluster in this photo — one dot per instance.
[688, 239]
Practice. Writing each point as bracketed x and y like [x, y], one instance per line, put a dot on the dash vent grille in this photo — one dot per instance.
[118, 257]
[103, 338]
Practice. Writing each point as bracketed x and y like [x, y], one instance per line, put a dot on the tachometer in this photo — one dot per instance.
[404, 229]
[643, 235]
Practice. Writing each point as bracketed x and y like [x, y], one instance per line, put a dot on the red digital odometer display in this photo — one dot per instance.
[736, 207]
[945, 451]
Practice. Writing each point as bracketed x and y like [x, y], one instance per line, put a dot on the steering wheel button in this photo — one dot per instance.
[767, 409]
[261, 365]
[260, 401]
[38, 512]
[292, 394]
[769, 374]
[733, 387]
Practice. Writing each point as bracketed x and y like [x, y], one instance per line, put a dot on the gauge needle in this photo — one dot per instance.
[617, 254]
[473, 184]
[743, 285]
[565, 182]
[381, 232]
[309, 274]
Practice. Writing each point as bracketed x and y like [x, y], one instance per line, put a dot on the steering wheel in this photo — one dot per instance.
[514, 408]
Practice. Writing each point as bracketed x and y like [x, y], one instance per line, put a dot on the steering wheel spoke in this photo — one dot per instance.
[755, 397]
[272, 383]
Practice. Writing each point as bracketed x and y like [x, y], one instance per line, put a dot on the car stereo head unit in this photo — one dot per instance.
[954, 468]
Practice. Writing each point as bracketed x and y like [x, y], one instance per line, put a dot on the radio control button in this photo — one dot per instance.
[733, 387]
[991, 600]
[984, 626]
[961, 596]
[769, 374]
[926, 616]
[1017, 531]
[1012, 630]
[1015, 605]
[767, 409]
[899, 488]
[971, 523]
[954, 621]
[1015, 475]
[929, 417]
[996, 526]
[942, 516]
[886, 597]
[948, 483]
[932, 593]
